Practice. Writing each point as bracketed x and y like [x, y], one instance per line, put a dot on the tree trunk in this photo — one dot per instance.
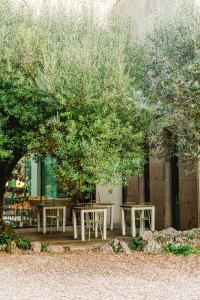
[6, 168]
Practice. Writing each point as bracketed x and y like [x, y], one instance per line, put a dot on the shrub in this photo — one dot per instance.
[179, 249]
[45, 247]
[23, 243]
[6, 238]
[117, 248]
[9, 238]
[137, 243]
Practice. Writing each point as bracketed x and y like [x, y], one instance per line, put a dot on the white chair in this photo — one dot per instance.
[94, 221]
[53, 217]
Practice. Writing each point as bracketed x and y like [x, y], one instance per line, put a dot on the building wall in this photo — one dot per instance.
[115, 197]
[189, 197]
[144, 13]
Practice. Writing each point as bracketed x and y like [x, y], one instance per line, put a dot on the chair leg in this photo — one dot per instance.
[89, 234]
[51, 225]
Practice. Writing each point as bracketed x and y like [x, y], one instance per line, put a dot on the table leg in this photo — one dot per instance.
[104, 223]
[82, 226]
[75, 224]
[44, 220]
[38, 220]
[111, 217]
[96, 224]
[133, 225]
[142, 225]
[153, 219]
[57, 219]
[64, 218]
[123, 221]
[93, 216]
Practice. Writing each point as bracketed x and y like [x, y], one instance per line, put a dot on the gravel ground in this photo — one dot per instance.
[89, 275]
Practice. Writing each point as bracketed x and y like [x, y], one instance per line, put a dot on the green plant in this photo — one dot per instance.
[179, 249]
[196, 251]
[23, 243]
[117, 248]
[6, 238]
[137, 243]
[9, 238]
[172, 81]
[65, 81]
[44, 247]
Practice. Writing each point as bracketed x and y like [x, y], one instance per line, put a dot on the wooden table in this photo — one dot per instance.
[133, 208]
[89, 209]
[44, 209]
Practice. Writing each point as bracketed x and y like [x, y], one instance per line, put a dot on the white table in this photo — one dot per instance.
[133, 208]
[44, 209]
[111, 207]
[87, 209]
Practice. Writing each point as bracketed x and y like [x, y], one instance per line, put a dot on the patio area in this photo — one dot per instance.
[67, 240]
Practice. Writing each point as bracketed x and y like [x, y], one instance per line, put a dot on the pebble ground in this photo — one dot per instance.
[95, 276]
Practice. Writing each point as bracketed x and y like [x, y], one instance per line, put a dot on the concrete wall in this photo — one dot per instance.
[115, 197]
[160, 191]
[189, 197]
[35, 178]
[134, 191]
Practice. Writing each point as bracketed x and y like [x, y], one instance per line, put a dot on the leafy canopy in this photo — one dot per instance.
[173, 81]
[67, 89]
[24, 104]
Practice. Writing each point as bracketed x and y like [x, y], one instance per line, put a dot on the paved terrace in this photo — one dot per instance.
[67, 240]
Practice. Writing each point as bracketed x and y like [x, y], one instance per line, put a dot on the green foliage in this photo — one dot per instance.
[137, 243]
[179, 249]
[9, 237]
[172, 82]
[23, 243]
[67, 89]
[44, 247]
[6, 238]
[99, 130]
[117, 248]
[24, 105]
[196, 251]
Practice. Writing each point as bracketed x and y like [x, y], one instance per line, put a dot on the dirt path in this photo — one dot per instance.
[99, 276]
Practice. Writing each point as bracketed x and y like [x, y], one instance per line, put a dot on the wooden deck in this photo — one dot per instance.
[67, 240]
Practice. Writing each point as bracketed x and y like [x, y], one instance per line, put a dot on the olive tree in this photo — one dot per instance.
[66, 90]
[172, 81]
[99, 130]
[24, 104]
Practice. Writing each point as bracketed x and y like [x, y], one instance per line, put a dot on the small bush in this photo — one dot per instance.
[6, 238]
[9, 238]
[179, 249]
[137, 243]
[23, 243]
[117, 248]
[196, 251]
[45, 247]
